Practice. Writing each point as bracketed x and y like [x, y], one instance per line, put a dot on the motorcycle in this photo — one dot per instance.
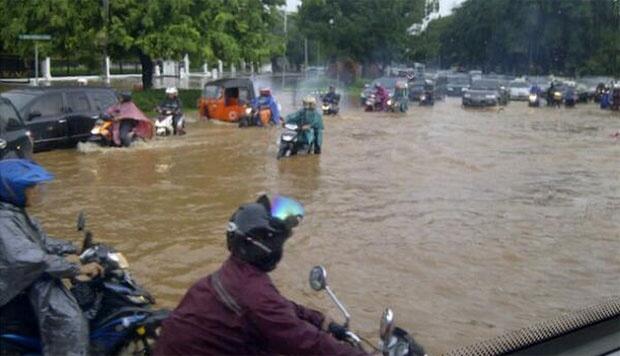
[555, 99]
[570, 100]
[398, 105]
[121, 125]
[533, 100]
[372, 103]
[330, 108]
[426, 99]
[164, 125]
[289, 143]
[118, 310]
[260, 116]
[394, 340]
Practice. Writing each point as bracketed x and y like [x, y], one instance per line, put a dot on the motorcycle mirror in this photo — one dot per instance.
[88, 241]
[387, 326]
[318, 278]
[81, 221]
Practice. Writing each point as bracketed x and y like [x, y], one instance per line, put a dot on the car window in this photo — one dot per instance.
[77, 101]
[48, 105]
[20, 99]
[9, 119]
[103, 100]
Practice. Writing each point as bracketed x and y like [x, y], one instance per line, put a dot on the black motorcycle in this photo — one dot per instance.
[119, 311]
[394, 340]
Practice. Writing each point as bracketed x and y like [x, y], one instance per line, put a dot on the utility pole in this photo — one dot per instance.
[306, 55]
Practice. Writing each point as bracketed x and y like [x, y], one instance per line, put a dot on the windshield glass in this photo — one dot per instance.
[485, 85]
[212, 91]
[20, 100]
[519, 85]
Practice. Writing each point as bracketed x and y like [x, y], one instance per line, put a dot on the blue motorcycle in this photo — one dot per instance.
[119, 311]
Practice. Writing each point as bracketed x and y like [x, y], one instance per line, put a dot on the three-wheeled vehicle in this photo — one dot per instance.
[226, 99]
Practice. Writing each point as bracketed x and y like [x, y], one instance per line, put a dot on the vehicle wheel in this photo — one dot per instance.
[282, 151]
[126, 134]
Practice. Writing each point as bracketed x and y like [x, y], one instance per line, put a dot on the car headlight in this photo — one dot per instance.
[467, 95]
[490, 96]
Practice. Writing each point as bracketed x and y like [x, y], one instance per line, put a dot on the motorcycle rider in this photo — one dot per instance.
[33, 265]
[173, 103]
[382, 95]
[237, 310]
[266, 99]
[311, 122]
[536, 90]
[331, 97]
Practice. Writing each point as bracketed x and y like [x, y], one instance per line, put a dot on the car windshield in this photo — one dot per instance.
[458, 80]
[387, 83]
[212, 91]
[19, 99]
[519, 85]
[485, 85]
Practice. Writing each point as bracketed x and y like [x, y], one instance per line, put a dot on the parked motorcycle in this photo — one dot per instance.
[118, 310]
[394, 340]
[533, 100]
[289, 143]
[164, 124]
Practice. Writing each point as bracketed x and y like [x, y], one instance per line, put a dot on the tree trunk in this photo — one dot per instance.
[147, 71]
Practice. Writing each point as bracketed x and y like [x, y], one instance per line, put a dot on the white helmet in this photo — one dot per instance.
[171, 91]
[309, 102]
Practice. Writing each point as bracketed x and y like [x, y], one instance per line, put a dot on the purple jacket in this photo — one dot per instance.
[238, 311]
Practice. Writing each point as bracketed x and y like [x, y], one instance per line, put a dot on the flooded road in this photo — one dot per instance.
[467, 223]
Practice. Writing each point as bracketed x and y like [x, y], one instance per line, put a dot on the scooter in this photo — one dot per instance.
[289, 143]
[394, 340]
[398, 105]
[118, 310]
[427, 99]
[533, 100]
[330, 108]
[372, 104]
[164, 125]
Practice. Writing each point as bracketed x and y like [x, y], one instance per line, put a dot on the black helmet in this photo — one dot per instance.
[257, 231]
[124, 97]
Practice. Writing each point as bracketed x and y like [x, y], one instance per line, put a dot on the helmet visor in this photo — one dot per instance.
[286, 209]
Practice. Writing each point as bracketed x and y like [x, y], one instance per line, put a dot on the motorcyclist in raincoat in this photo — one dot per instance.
[331, 97]
[237, 310]
[32, 263]
[382, 95]
[266, 99]
[173, 103]
[311, 120]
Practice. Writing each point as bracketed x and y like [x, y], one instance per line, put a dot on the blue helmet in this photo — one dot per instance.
[18, 174]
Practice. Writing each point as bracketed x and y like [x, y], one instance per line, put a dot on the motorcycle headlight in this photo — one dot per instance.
[490, 96]
[389, 102]
[119, 259]
[248, 111]
[95, 131]
[467, 95]
[137, 299]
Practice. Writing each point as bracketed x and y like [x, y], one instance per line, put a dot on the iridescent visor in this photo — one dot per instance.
[284, 207]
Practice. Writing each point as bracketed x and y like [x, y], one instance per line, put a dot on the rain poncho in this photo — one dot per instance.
[312, 118]
[31, 262]
[271, 103]
[331, 97]
[238, 311]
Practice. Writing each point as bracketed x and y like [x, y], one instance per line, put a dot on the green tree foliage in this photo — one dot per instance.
[533, 36]
[368, 31]
[231, 30]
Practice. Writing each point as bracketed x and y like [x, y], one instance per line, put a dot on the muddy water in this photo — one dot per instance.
[466, 223]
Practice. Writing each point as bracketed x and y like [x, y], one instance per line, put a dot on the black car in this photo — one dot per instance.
[60, 116]
[457, 84]
[15, 141]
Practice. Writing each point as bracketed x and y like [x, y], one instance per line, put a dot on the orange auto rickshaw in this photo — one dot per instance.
[226, 99]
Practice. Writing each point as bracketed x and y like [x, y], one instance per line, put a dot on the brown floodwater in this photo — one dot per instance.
[468, 223]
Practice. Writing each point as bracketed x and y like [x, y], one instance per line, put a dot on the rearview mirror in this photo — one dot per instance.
[81, 221]
[387, 326]
[34, 114]
[318, 278]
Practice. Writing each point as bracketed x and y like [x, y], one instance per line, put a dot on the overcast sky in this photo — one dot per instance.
[444, 5]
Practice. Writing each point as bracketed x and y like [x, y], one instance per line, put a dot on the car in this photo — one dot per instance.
[457, 84]
[60, 117]
[519, 90]
[485, 92]
[15, 140]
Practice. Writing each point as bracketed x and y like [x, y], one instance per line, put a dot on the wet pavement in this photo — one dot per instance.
[468, 223]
